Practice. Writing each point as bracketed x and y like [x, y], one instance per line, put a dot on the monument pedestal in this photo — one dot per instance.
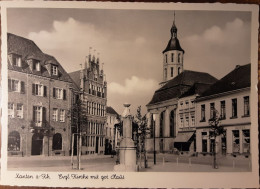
[127, 156]
[127, 147]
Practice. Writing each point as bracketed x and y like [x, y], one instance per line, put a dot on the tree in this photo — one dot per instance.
[143, 130]
[216, 130]
[78, 117]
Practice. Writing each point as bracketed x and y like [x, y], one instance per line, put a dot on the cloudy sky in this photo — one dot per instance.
[130, 43]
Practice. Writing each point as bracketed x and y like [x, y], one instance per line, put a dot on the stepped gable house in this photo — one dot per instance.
[230, 96]
[163, 107]
[92, 83]
[38, 100]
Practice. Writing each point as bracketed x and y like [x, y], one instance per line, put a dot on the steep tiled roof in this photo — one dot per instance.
[181, 84]
[75, 76]
[27, 49]
[110, 110]
[237, 79]
[197, 88]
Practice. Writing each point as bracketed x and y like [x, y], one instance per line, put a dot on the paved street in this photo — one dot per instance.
[165, 163]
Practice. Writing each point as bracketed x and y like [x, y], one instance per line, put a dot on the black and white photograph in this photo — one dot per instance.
[119, 91]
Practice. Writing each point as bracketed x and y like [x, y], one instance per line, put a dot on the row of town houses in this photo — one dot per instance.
[41, 95]
[40, 99]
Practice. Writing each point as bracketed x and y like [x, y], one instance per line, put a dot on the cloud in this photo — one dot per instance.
[133, 86]
[228, 45]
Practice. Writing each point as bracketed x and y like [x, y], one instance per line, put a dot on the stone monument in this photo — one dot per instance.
[127, 149]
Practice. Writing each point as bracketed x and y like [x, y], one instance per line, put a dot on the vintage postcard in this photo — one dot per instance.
[129, 94]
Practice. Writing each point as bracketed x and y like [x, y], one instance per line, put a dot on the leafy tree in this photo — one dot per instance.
[215, 130]
[143, 130]
[78, 117]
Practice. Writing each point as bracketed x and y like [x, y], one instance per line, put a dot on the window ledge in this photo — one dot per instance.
[235, 117]
[203, 120]
[245, 116]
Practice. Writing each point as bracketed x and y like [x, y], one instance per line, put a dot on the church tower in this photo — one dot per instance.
[172, 56]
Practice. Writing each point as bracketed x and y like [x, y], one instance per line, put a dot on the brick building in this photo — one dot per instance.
[91, 82]
[39, 98]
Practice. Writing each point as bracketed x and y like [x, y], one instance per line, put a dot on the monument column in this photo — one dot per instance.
[127, 149]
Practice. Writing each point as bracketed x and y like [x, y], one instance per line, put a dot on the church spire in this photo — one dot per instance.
[174, 28]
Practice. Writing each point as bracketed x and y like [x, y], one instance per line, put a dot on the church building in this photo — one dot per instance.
[163, 109]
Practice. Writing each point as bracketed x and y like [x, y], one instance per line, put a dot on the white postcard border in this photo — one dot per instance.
[142, 180]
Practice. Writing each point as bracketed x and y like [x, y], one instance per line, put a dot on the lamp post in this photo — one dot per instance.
[154, 150]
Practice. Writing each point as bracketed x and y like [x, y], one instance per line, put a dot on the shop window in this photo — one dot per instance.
[246, 141]
[14, 141]
[236, 141]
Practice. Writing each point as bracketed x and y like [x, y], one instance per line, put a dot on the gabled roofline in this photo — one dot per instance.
[199, 99]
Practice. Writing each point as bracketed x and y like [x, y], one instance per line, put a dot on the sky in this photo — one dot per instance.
[130, 43]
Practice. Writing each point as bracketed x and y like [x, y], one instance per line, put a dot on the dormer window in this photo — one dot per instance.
[37, 66]
[54, 70]
[16, 60]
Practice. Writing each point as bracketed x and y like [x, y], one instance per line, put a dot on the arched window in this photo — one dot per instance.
[162, 123]
[166, 58]
[172, 123]
[165, 73]
[179, 57]
[57, 142]
[172, 57]
[14, 141]
[171, 71]
[179, 70]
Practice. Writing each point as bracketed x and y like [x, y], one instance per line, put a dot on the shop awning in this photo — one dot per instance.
[184, 137]
[183, 141]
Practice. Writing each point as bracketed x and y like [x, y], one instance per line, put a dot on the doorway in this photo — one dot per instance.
[97, 144]
[37, 144]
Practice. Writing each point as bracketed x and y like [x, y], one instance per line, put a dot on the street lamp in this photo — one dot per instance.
[154, 150]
